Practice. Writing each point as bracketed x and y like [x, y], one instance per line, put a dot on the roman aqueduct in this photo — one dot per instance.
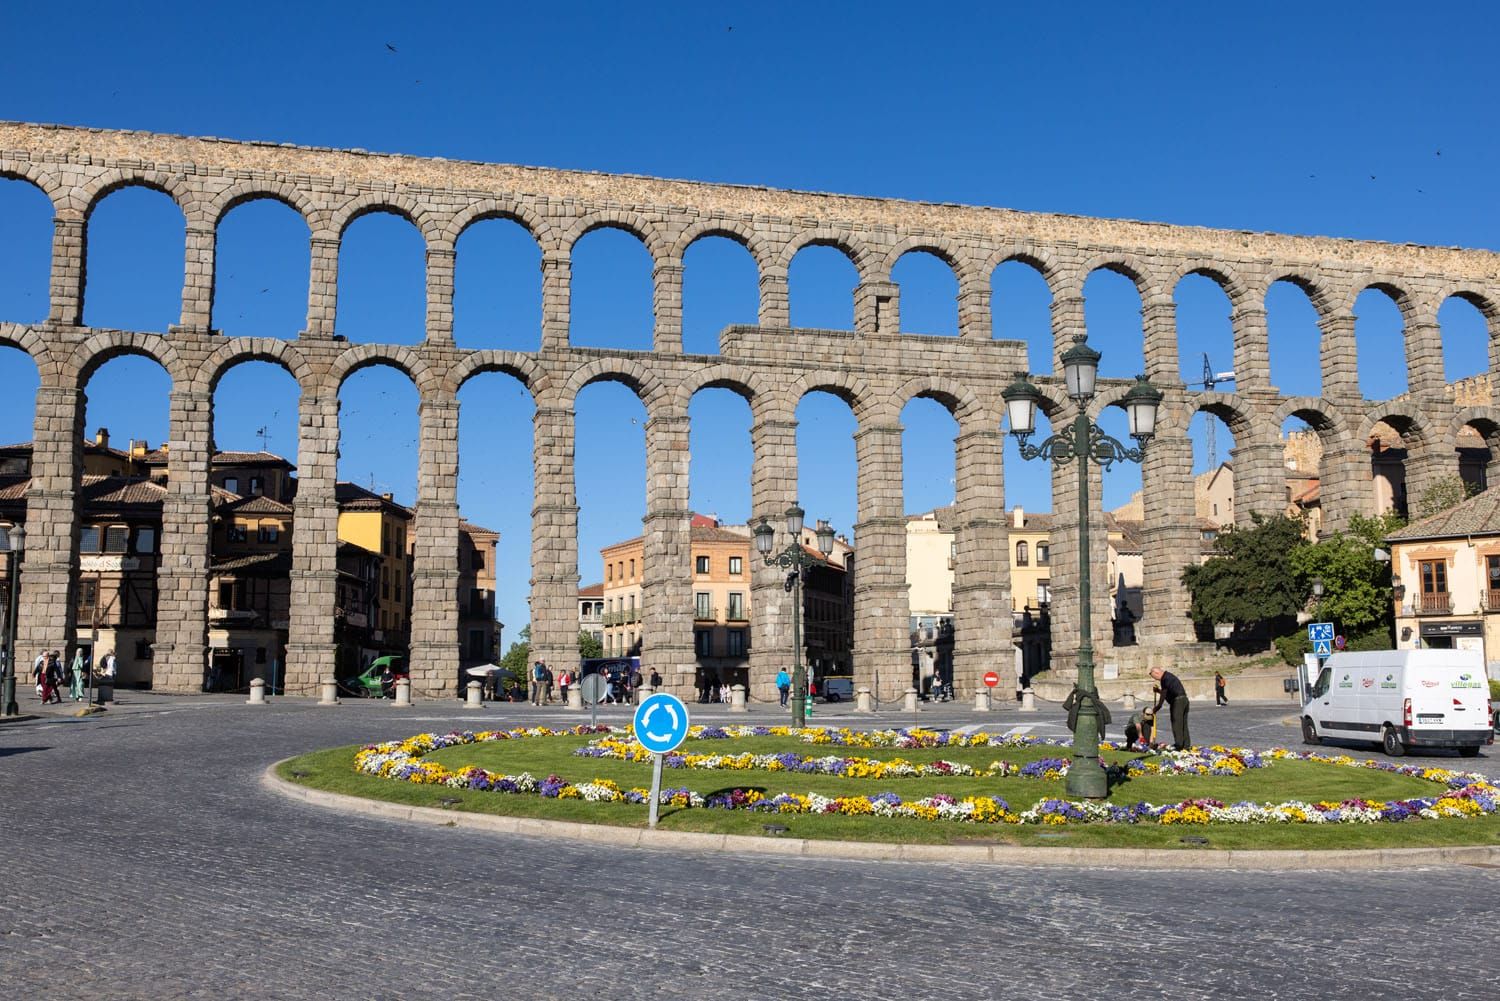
[874, 368]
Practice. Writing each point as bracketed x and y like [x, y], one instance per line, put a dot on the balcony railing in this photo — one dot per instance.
[1439, 603]
[705, 613]
[1492, 600]
[737, 614]
[622, 617]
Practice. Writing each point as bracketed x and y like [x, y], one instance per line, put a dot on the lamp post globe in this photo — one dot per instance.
[794, 519]
[1080, 369]
[1142, 404]
[765, 537]
[796, 558]
[1021, 399]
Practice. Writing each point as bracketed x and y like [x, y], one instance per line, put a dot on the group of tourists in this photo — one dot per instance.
[52, 675]
[622, 684]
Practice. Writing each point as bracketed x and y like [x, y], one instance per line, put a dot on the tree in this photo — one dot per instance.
[1356, 586]
[1444, 493]
[1249, 579]
[518, 658]
[589, 646]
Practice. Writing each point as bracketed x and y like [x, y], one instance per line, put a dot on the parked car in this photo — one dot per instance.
[1401, 699]
[378, 681]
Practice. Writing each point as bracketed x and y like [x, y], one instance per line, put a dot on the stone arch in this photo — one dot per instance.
[1129, 266]
[395, 203]
[957, 399]
[1317, 290]
[105, 345]
[516, 364]
[1393, 289]
[243, 349]
[634, 223]
[540, 229]
[1485, 420]
[24, 337]
[730, 229]
[853, 390]
[215, 209]
[944, 249]
[864, 259]
[1221, 274]
[1037, 259]
[1318, 415]
[741, 380]
[1480, 298]
[627, 371]
[402, 357]
[1412, 426]
[88, 197]
[45, 182]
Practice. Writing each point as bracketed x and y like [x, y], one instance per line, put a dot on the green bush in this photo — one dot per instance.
[1293, 645]
[1495, 691]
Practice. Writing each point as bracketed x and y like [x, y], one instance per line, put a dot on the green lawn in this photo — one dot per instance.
[1285, 780]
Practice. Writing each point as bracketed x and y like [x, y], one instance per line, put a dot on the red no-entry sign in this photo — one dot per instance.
[991, 679]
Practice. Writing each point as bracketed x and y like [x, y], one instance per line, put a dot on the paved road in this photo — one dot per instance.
[146, 862]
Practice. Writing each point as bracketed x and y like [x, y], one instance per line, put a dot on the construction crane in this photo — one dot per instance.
[1210, 380]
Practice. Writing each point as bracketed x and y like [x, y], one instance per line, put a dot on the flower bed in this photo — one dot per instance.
[1463, 794]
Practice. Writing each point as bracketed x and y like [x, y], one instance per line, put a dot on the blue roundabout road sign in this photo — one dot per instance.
[661, 723]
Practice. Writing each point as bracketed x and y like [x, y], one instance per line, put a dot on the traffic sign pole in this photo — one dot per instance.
[655, 789]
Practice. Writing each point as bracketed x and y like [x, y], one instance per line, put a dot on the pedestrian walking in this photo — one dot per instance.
[655, 680]
[550, 682]
[538, 682]
[77, 675]
[633, 685]
[52, 679]
[1220, 699]
[564, 682]
[1175, 698]
[784, 686]
[39, 673]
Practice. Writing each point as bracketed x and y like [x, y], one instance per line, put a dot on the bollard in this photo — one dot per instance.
[1129, 701]
[982, 700]
[330, 694]
[1028, 701]
[863, 702]
[575, 698]
[257, 693]
[403, 693]
[737, 699]
[911, 700]
[642, 692]
[472, 700]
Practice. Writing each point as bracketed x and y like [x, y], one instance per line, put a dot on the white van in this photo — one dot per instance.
[1401, 699]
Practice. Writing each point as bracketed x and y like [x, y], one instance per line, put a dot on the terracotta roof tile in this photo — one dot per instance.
[1479, 515]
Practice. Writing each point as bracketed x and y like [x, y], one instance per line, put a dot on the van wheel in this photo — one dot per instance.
[1390, 742]
[1468, 752]
[1309, 732]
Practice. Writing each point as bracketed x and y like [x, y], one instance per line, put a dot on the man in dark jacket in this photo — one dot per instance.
[1175, 697]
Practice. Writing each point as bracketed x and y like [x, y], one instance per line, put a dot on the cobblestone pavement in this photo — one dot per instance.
[146, 862]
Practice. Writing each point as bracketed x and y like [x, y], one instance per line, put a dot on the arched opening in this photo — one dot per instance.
[1112, 316]
[495, 497]
[720, 287]
[1028, 521]
[928, 468]
[121, 492]
[253, 483]
[1213, 474]
[724, 558]
[1380, 345]
[610, 464]
[820, 284]
[1466, 340]
[382, 281]
[1294, 340]
[1021, 310]
[828, 490]
[1205, 334]
[497, 287]
[19, 376]
[612, 292]
[929, 294]
[1388, 472]
[379, 430]
[261, 270]
[1478, 448]
[136, 246]
[1302, 446]
[25, 251]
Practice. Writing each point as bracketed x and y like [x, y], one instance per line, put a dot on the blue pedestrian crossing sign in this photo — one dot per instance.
[1321, 635]
[661, 723]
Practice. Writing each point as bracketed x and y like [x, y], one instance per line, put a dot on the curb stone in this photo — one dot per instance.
[878, 851]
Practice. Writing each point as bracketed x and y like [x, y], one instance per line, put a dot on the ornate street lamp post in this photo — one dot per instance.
[1085, 442]
[796, 559]
[17, 539]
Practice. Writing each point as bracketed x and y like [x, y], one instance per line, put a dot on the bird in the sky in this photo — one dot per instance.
[389, 46]
[1438, 153]
[1372, 177]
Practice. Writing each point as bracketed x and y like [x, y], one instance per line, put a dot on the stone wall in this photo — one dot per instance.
[874, 368]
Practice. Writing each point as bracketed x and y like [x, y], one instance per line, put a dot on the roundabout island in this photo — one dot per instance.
[918, 786]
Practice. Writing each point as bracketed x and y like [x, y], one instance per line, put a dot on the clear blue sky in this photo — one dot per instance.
[1372, 120]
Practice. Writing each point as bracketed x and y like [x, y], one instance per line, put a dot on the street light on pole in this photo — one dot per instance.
[796, 559]
[1084, 442]
[16, 536]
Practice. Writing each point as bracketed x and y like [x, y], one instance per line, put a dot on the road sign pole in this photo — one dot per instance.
[655, 789]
